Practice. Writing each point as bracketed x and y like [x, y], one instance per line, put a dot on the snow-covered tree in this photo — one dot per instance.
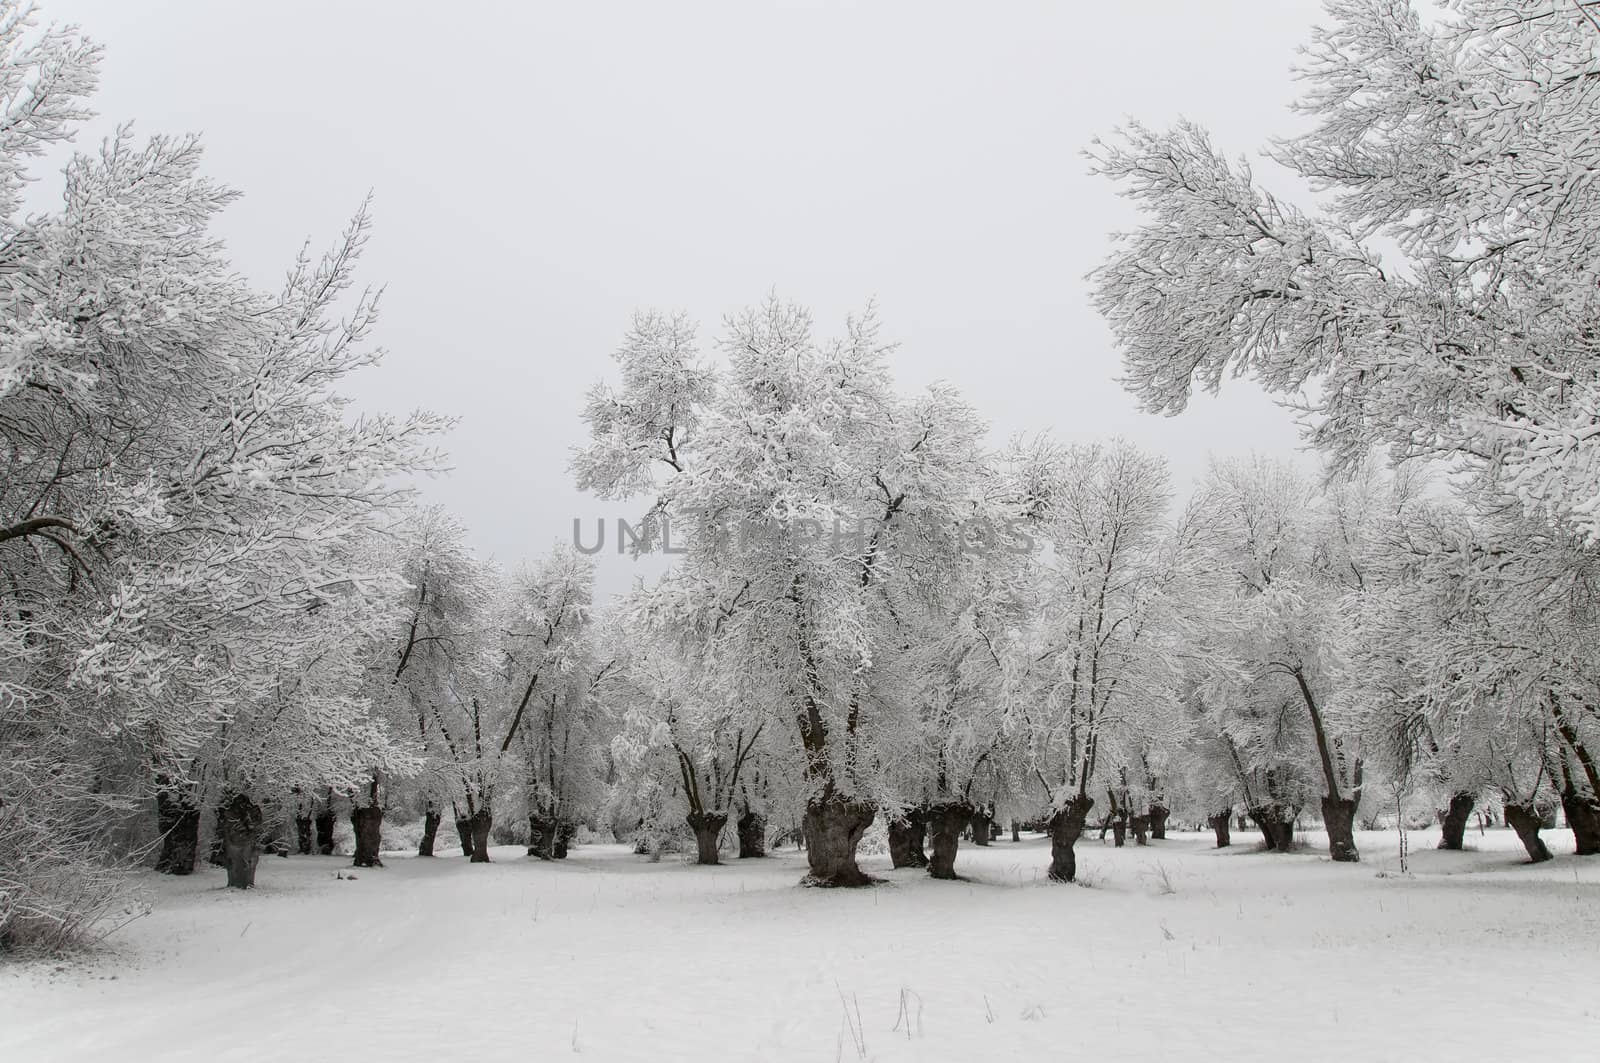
[1096, 659]
[1463, 141]
[800, 489]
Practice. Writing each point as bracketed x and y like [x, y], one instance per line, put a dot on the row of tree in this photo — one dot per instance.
[220, 607]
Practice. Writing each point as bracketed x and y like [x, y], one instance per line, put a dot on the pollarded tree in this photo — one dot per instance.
[1465, 141]
[1278, 658]
[1098, 653]
[794, 480]
[686, 736]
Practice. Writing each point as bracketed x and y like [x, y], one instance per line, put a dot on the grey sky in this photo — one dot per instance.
[540, 170]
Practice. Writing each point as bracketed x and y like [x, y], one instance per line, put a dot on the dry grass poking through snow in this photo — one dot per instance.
[1179, 952]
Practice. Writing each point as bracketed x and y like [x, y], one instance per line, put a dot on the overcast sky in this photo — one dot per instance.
[540, 170]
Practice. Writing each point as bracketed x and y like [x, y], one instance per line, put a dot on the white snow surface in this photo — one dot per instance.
[1252, 956]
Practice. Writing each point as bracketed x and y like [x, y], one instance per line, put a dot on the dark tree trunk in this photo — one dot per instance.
[1016, 832]
[464, 832]
[1141, 829]
[1065, 828]
[833, 828]
[907, 836]
[1339, 817]
[1158, 822]
[946, 822]
[430, 832]
[179, 822]
[1219, 825]
[542, 837]
[1453, 820]
[1583, 816]
[1526, 821]
[367, 822]
[324, 824]
[479, 824]
[303, 838]
[1119, 831]
[752, 835]
[1277, 827]
[564, 835]
[240, 819]
[982, 827]
[707, 827]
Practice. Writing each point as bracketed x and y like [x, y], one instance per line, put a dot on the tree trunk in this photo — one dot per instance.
[1453, 820]
[179, 822]
[1219, 826]
[1016, 832]
[479, 823]
[1158, 822]
[564, 835]
[367, 822]
[752, 828]
[1583, 816]
[908, 838]
[464, 832]
[1065, 828]
[324, 824]
[1141, 829]
[1277, 827]
[430, 831]
[241, 837]
[947, 822]
[1526, 820]
[541, 837]
[1339, 816]
[707, 827]
[1119, 831]
[303, 838]
[982, 828]
[833, 828]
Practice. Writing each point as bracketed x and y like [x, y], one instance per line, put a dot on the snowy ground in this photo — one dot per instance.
[1477, 956]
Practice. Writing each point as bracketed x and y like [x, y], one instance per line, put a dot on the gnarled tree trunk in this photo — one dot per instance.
[367, 822]
[1219, 824]
[906, 837]
[464, 832]
[1277, 827]
[542, 837]
[1066, 825]
[1141, 829]
[179, 822]
[982, 826]
[707, 827]
[480, 823]
[564, 835]
[324, 823]
[240, 820]
[1158, 822]
[1339, 816]
[303, 838]
[833, 828]
[1526, 820]
[1453, 820]
[430, 831]
[946, 822]
[752, 828]
[1583, 816]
